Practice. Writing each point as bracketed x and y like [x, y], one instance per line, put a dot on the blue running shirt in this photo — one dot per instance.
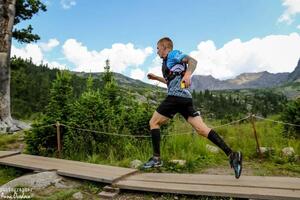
[174, 64]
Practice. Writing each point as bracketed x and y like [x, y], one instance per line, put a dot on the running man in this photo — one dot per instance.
[177, 69]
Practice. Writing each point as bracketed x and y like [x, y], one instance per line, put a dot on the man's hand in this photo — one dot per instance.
[157, 78]
[192, 63]
[151, 76]
[187, 79]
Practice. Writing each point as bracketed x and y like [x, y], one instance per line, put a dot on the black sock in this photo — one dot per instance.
[217, 140]
[156, 142]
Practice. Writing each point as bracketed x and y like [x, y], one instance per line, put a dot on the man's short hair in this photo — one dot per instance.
[166, 42]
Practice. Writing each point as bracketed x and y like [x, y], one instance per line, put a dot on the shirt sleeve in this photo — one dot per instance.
[174, 57]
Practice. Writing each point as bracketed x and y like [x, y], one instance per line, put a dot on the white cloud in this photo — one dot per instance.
[298, 27]
[50, 45]
[156, 66]
[293, 8]
[34, 52]
[67, 4]
[120, 55]
[56, 65]
[273, 53]
[137, 74]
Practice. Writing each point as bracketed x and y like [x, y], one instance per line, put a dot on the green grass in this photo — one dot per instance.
[89, 190]
[9, 173]
[192, 148]
[56, 195]
[7, 139]
[184, 145]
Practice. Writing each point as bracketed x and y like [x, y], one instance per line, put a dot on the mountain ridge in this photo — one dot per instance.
[246, 80]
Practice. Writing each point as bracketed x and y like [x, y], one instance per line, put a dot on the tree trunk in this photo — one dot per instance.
[7, 15]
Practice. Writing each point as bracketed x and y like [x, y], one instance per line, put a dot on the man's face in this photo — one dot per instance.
[161, 51]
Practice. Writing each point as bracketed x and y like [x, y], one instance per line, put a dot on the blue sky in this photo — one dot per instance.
[227, 37]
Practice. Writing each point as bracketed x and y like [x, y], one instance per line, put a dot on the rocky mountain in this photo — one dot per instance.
[246, 80]
[295, 75]
[199, 83]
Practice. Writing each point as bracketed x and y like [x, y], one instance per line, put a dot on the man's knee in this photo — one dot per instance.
[203, 129]
[157, 120]
[153, 123]
[199, 125]
[199, 128]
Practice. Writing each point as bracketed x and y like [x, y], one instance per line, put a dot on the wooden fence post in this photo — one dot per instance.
[58, 139]
[255, 135]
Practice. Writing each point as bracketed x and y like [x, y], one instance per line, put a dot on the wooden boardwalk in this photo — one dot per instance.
[257, 187]
[8, 153]
[76, 169]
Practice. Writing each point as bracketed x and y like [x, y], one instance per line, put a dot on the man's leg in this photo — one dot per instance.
[235, 158]
[156, 121]
[205, 131]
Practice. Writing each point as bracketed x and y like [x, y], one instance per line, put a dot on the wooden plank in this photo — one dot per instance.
[58, 162]
[193, 184]
[98, 177]
[54, 163]
[27, 163]
[8, 153]
[95, 173]
[243, 181]
[210, 190]
[76, 169]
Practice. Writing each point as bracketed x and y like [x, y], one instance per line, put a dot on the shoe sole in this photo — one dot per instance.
[155, 166]
[240, 160]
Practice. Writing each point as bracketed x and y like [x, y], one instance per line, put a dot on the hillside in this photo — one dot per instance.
[122, 80]
[30, 87]
[295, 75]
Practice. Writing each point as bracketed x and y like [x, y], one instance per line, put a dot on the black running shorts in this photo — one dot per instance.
[173, 104]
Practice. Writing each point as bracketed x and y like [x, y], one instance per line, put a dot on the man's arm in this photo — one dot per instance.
[158, 78]
[192, 64]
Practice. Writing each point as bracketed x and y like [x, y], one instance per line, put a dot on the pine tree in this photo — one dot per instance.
[42, 141]
[111, 88]
[291, 114]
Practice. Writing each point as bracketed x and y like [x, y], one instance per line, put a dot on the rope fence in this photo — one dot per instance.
[249, 117]
[43, 126]
[233, 122]
[106, 133]
[168, 135]
[279, 122]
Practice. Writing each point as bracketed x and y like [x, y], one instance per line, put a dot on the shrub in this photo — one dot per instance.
[291, 114]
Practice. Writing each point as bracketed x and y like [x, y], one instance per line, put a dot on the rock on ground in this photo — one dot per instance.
[78, 195]
[135, 164]
[37, 181]
[212, 149]
[288, 151]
